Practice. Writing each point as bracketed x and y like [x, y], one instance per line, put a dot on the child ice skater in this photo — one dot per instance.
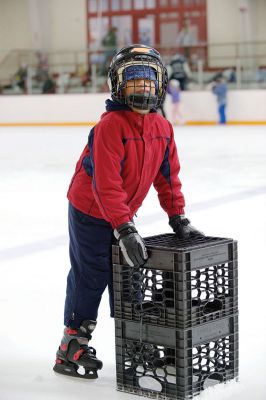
[131, 148]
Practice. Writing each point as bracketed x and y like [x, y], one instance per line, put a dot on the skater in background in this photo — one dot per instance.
[219, 88]
[179, 70]
[131, 148]
[173, 90]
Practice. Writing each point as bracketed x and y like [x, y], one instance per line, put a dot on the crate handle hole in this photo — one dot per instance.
[213, 306]
[212, 379]
[147, 308]
[150, 383]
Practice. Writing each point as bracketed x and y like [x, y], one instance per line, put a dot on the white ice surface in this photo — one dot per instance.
[224, 181]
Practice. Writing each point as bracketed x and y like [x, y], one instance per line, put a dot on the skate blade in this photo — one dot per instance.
[73, 371]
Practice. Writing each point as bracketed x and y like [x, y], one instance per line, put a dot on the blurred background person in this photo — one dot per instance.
[219, 89]
[49, 85]
[173, 90]
[179, 70]
[109, 43]
[19, 80]
[187, 37]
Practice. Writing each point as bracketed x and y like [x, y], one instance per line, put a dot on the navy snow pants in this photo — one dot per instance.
[90, 250]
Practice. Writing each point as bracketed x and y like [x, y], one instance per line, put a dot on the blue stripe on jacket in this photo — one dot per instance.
[165, 166]
[89, 165]
[88, 160]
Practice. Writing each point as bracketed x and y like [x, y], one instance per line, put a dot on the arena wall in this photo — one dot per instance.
[244, 107]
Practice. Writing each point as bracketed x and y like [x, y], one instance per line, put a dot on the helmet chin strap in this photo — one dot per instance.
[141, 101]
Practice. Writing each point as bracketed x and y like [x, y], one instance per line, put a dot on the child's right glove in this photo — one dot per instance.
[182, 227]
[131, 244]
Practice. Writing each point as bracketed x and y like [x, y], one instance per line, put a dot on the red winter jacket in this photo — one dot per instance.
[126, 153]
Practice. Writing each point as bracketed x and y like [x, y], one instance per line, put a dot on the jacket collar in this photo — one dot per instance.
[112, 105]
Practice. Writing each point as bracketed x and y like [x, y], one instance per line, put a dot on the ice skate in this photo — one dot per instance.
[74, 353]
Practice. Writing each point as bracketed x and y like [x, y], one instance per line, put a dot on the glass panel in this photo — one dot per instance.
[146, 31]
[175, 3]
[193, 2]
[163, 3]
[98, 28]
[168, 31]
[150, 4]
[124, 30]
[96, 5]
[169, 16]
[139, 4]
[126, 5]
[173, 15]
[104, 5]
[115, 5]
[92, 6]
[188, 35]
[195, 14]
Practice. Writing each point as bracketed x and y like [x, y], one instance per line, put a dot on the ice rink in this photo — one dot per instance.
[224, 182]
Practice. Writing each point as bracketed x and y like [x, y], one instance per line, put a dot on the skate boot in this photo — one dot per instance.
[74, 352]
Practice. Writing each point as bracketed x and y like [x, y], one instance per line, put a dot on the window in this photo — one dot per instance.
[160, 22]
[150, 4]
[104, 5]
[115, 5]
[194, 2]
[126, 4]
[95, 5]
[175, 3]
[163, 3]
[124, 29]
[98, 27]
[139, 4]
[92, 6]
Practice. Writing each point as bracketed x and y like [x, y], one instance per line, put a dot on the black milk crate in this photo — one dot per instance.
[166, 363]
[183, 283]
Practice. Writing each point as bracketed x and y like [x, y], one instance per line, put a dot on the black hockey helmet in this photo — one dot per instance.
[138, 61]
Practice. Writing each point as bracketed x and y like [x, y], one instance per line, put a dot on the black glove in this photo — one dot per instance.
[182, 227]
[131, 244]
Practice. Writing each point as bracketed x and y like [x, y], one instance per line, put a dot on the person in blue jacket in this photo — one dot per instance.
[220, 90]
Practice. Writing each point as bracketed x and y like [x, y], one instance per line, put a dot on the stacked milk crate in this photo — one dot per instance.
[176, 318]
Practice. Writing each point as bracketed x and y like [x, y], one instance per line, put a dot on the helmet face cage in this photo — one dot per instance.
[147, 64]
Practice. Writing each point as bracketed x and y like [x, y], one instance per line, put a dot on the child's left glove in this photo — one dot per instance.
[183, 228]
[131, 244]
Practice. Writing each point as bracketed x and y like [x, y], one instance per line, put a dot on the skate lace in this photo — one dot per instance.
[88, 350]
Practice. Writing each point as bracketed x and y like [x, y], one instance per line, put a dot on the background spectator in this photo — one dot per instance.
[179, 70]
[20, 78]
[219, 88]
[109, 43]
[174, 91]
[49, 85]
